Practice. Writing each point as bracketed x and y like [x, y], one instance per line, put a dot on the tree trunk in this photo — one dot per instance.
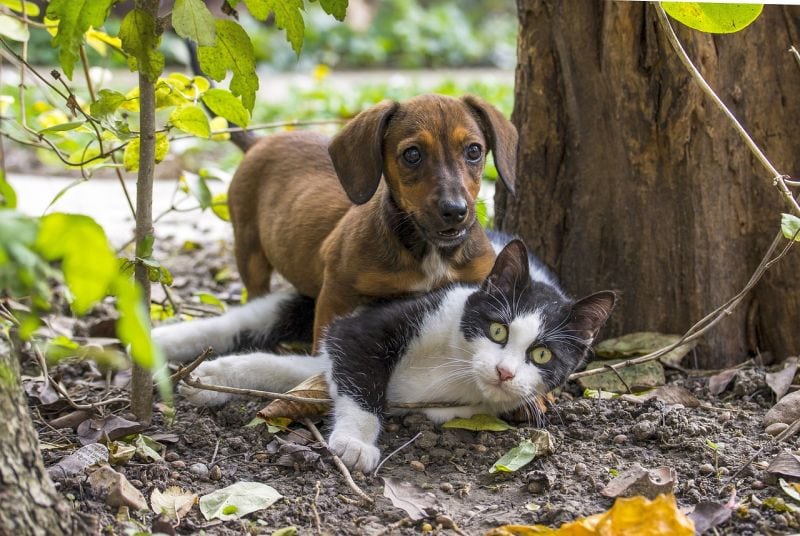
[630, 179]
[30, 503]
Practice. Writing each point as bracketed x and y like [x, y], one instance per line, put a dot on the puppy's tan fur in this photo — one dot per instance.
[318, 212]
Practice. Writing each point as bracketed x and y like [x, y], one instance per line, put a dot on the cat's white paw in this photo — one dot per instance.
[355, 453]
[210, 372]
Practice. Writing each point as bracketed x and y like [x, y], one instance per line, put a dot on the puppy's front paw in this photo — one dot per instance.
[214, 373]
[355, 453]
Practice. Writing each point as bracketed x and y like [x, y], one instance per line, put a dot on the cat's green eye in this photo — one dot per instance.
[498, 332]
[540, 355]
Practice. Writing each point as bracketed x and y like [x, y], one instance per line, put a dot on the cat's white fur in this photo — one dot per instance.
[440, 365]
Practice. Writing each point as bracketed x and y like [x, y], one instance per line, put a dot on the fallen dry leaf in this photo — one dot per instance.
[642, 343]
[313, 387]
[416, 502]
[719, 382]
[119, 453]
[292, 453]
[78, 461]
[707, 515]
[638, 377]
[91, 430]
[635, 516]
[781, 380]
[174, 502]
[785, 465]
[41, 393]
[668, 394]
[71, 419]
[640, 481]
[115, 489]
[478, 423]
[238, 500]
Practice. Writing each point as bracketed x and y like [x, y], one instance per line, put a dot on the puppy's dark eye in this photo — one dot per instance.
[412, 156]
[474, 152]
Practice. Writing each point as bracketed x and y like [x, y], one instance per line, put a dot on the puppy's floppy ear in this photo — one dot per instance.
[501, 135]
[357, 151]
[510, 269]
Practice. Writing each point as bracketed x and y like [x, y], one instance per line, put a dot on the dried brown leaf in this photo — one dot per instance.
[640, 481]
[780, 381]
[668, 394]
[313, 387]
[707, 515]
[90, 431]
[719, 382]
[416, 502]
[786, 465]
[174, 502]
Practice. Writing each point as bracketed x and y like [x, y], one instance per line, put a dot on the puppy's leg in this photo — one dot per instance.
[253, 266]
[329, 305]
[260, 320]
[260, 370]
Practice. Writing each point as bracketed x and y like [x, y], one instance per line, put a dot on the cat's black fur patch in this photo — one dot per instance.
[365, 347]
[295, 323]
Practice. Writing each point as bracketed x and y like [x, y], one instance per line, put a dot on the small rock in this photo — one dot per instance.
[725, 416]
[172, 456]
[427, 527]
[199, 469]
[620, 439]
[427, 440]
[787, 410]
[757, 484]
[480, 449]
[445, 522]
[115, 489]
[722, 471]
[417, 465]
[392, 427]
[261, 457]
[446, 487]
[776, 428]
[215, 473]
[580, 469]
[706, 469]
[178, 464]
[643, 430]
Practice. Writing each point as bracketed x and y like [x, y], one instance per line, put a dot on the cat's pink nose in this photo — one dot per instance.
[504, 374]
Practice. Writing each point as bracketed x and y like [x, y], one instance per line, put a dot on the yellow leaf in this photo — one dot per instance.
[633, 516]
[52, 118]
[131, 103]
[100, 41]
[219, 125]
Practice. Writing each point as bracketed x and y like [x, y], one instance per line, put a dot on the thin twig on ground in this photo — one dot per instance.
[338, 462]
[254, 393]
[183, 372]
[317, 522]
[395, 451]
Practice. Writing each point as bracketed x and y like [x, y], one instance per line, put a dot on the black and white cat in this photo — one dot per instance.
[488, 348]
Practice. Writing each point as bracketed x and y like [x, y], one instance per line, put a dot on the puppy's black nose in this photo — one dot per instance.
[453, 210]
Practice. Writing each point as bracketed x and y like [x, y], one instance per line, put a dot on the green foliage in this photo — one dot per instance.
[141, 37]
[288, 17]
[191, 119]
[74, 18]
[790, 225]
[13, 29]
[29, 8]
[233, 52]
[108, 101]
[336, 8]
[224, 104]
[23, 272]
[714, 18]
[191, 19]
[8, 197]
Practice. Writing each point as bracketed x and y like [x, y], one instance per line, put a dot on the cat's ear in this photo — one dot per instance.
[510, 268]
[590, 314]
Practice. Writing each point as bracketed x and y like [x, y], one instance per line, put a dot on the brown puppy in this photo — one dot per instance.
[317, 211]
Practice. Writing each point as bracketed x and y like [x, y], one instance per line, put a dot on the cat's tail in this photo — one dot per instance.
[260, 370]
[259, 325]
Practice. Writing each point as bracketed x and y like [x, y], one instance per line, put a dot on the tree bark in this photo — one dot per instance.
[30, 503]
[630, 179]
[142, 379]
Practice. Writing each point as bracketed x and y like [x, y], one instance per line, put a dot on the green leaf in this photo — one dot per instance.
[224, 104]
[13, 28]
[130, 158]
[478, 423]
[337, 8]
[140, 39]
[8, 197]
[88, 262]
[238, 500]
[516, 458]
[233, 52]
[219, 206]
[107, 103]
[191, 19]
[713, 18]
[191, 119]
[17, 5]
[790, 225]
[210, 299]
[288, 16]
[74, 18]
[62, 127]
[198, 188]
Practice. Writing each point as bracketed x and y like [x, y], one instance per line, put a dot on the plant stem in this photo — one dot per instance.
[142, 379]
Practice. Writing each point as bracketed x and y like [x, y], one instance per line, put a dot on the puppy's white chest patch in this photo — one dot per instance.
[437, 272]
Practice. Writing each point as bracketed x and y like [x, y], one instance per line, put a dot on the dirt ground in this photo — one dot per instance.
[594, 440]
